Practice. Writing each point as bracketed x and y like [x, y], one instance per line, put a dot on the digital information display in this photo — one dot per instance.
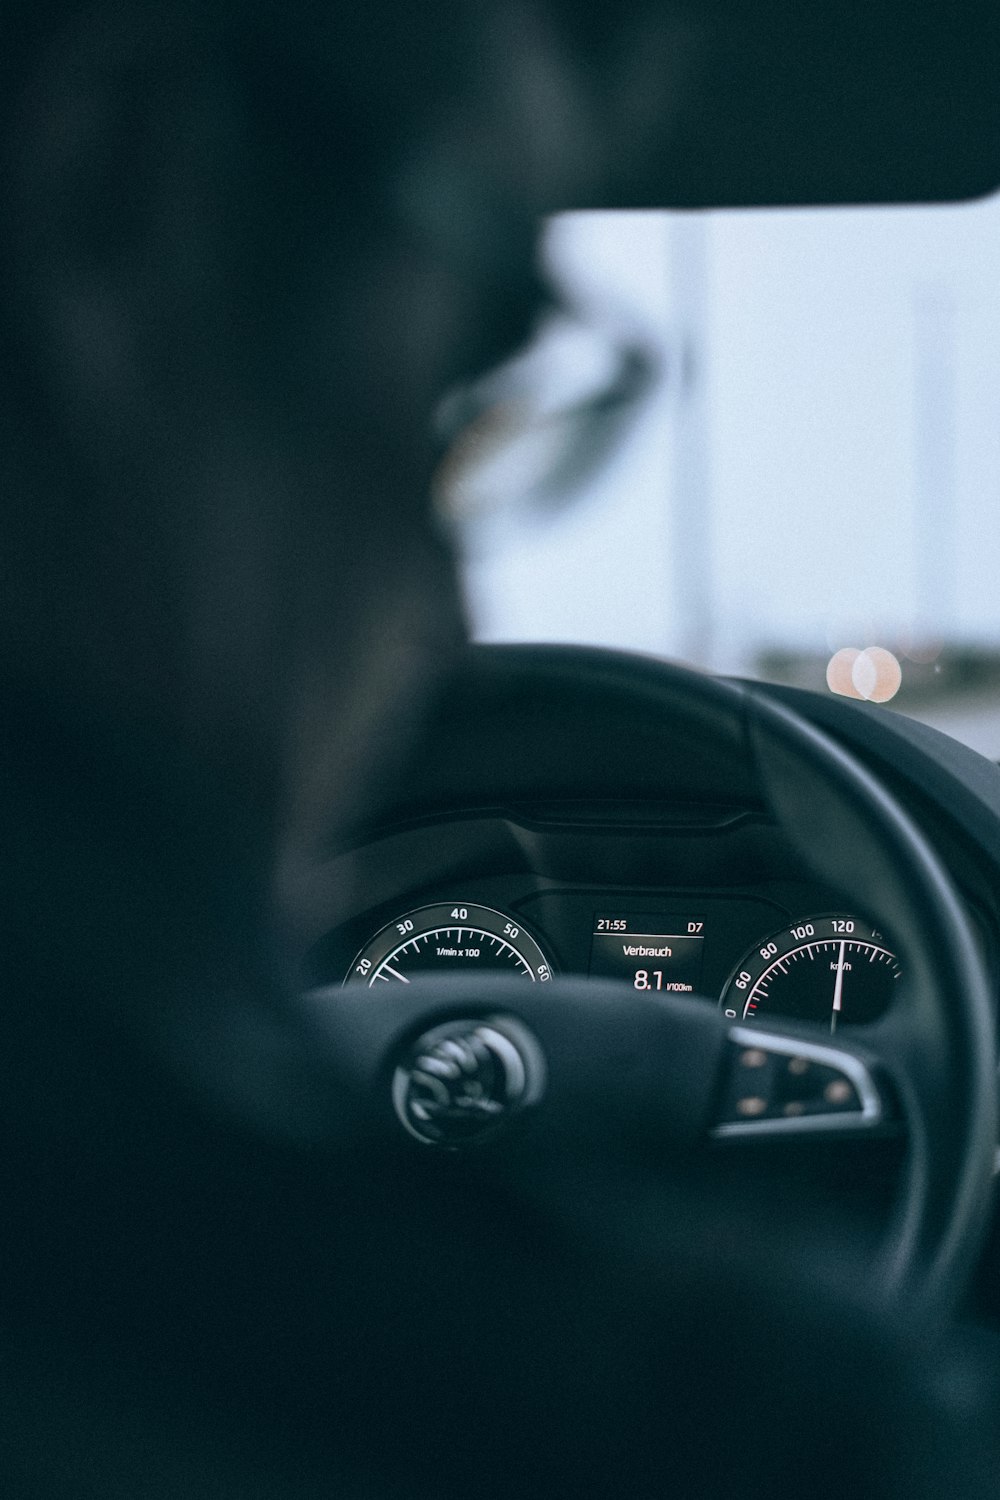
[650, 950]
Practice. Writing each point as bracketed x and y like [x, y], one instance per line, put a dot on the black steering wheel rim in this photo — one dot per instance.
[936, 1045]
[938, 1041]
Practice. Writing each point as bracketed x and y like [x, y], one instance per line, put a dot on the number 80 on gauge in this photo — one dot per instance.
[830, 968]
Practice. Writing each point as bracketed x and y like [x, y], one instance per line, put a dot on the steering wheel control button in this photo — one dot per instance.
[752, 1106]
[753, 1057]
[782, 1084]
[461, 1083]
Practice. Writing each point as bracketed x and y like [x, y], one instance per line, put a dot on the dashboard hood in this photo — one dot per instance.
[785, 103]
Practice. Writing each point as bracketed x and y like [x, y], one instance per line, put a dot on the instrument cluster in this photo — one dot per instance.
[756, 959]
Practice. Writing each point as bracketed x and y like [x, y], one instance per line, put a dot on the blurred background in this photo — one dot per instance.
[761, 442]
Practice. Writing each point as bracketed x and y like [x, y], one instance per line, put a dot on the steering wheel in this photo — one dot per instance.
[455, 1074]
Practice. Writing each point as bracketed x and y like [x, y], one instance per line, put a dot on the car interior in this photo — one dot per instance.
[438, 1068]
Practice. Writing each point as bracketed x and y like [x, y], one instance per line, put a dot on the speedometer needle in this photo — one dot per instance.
[838, 989]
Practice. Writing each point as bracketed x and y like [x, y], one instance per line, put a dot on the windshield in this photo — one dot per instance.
[802, 482]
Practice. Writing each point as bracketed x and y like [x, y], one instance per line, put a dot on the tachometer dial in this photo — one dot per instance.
[445, 938]
[831, 969]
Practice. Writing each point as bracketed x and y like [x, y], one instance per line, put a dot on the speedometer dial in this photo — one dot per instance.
[830, 969]
[450, 936]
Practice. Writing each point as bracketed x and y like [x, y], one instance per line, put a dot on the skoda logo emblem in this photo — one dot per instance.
[462, 1082]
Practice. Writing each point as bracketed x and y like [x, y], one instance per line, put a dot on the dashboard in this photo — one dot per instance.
[550, 829]
[745, 929]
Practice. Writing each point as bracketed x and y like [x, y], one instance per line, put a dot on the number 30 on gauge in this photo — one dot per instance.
[449, 936]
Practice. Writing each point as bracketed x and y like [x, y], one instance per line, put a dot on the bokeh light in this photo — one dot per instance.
[873, 674]
[839, 678]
